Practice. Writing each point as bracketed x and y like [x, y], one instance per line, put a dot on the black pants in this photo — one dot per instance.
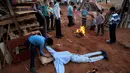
[84, 21]
[32, 49]
[58, 27]
[48, 21]
[52, 21]
[112, 29]
[41, 20]
[102, 29]
[71, 21]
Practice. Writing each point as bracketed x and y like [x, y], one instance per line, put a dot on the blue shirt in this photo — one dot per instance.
[114, 19]
[38, 40]
[84, 13]
[70, 11]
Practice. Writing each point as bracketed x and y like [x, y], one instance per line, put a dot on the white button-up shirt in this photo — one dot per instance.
[57, 10]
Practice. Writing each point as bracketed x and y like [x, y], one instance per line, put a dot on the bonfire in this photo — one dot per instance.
[80, 32]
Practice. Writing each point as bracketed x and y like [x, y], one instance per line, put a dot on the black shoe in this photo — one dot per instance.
[104, 54]
[97, 35]
[33, 70]
[101, 35]
[62, 35]
[69, 25]
[109, 42]
[59, 37]
[52, 29]
[49, 30]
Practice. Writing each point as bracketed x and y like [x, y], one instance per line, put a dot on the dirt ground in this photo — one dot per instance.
[119, 56]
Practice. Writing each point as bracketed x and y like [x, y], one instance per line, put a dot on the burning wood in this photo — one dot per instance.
[81, 31]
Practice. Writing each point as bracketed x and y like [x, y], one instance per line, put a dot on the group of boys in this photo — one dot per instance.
[40, 42]
[48, 11]
[97, 21]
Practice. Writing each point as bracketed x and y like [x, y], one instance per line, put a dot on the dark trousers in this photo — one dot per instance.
[102, 29]
[41, 21]
[52, 21]
[48, 21]
[71, 21]
[58, 27]
[112, 29]
[84, 21]
[32, 49]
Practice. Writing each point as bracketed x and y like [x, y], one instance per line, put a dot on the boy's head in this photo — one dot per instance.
[51, 4]
[112, 9]
[46, 1]
[75, 7]
[71, 3]
[49, 41]
[99, 12]
[58, 0]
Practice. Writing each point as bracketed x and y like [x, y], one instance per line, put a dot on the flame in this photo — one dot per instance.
[81, 30]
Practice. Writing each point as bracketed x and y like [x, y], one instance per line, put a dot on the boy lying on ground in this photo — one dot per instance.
[61, 58]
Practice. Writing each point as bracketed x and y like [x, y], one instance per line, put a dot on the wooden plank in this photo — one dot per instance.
[1, 31]
[23, 6]
[19, 18]
[29, 26]
[6, 53]
[23, 12]
[13, 17]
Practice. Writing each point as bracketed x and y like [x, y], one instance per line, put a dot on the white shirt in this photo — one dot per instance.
[57, 10]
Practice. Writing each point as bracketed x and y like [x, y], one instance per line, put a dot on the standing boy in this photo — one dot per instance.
[37, 41]
[84, 13]
[57, 19]
[51, 10]
[70, 14]
[45, 12]
[113, 22]
[99, 22]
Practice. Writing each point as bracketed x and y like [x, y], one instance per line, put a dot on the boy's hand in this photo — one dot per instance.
[47, 55]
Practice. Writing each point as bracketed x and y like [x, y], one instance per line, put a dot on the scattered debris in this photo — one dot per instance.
[25, 66]
[68, 40]
[58, 44]
[93, 71]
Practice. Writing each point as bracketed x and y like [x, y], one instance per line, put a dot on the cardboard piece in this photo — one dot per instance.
[45, 60]
[6, 53]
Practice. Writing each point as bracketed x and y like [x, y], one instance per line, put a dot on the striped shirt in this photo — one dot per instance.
[114, 19]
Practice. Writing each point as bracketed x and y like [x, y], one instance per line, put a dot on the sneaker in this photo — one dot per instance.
[108, 41]
[105, 55]
[59, 37]
[103, 52]
[62, 35]
[101, 35]
[33, 70]
[97, 35]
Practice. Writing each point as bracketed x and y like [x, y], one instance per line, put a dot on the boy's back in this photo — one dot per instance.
[84, 13]
[70, 11]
